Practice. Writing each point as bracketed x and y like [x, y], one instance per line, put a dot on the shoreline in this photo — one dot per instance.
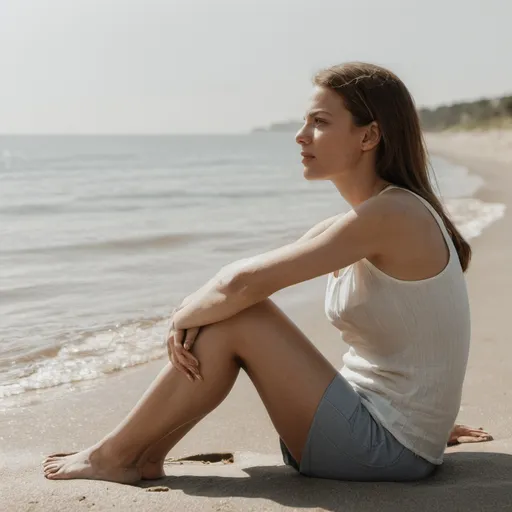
[481, 474]
[73, 351]
[489, 282]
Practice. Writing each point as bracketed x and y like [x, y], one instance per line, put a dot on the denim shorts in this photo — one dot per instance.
[345, 442]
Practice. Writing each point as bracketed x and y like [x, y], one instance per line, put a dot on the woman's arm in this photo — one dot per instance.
[368, 230]
[319, 228]
[218, 299]
[229, 271]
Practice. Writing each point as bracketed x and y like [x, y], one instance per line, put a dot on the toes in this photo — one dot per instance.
[61, 475]
[55, 456]
[60, 455]
[51, 469]
[51, 461]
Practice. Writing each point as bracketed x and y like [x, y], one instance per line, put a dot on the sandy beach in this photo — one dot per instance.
[474, 477]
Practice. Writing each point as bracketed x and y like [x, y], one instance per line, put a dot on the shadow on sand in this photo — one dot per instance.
[466, 481]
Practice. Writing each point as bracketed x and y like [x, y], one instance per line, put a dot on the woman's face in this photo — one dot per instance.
[330, 136]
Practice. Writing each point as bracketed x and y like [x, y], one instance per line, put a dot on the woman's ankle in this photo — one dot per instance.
[116, 453]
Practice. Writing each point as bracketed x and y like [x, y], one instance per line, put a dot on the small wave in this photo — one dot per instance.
[472, 216]
[125, 244]
[230, 192]
[13, 160]
[92, 157]
[10, 159]
[29, 210]
[88, 357]
[215, 162]
[28, 357]
[80, 159]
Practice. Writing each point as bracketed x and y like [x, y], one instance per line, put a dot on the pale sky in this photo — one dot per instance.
[226, 66]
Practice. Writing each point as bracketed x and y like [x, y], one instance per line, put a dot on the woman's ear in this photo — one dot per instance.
[371, 137]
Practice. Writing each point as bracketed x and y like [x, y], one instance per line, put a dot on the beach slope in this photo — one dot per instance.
[474, 477]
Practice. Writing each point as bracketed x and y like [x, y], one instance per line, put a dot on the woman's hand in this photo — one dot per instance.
[179, 342]
[190, 337]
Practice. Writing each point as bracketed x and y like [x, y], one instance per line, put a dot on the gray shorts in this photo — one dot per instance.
[345, 442]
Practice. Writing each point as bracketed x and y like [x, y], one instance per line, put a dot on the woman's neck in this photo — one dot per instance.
[357, 191]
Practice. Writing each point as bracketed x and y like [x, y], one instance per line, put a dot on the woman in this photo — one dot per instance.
[400, 302]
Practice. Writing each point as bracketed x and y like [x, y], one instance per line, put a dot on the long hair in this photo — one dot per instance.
[372, 93]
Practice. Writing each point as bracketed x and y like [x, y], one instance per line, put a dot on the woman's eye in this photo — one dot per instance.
[318, 120]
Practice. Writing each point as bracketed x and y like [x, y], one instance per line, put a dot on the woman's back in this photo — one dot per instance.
[409, 344]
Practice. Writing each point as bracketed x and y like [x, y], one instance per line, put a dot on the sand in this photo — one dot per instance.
[474, 477]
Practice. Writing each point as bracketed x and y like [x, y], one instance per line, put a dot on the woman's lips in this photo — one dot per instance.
[307, 156]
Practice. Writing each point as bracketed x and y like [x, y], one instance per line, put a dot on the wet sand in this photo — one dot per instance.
[474, 477]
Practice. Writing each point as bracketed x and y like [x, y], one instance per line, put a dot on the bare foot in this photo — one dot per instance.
[464, 434]
[152, 470]
[92, 464]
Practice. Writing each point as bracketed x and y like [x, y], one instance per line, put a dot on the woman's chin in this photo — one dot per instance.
[309, 164]
[309, 174]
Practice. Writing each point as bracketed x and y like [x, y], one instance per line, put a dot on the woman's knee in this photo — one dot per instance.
[257, 310]
[230, 330]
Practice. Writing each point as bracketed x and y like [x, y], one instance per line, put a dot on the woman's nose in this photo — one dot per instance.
[303, 137]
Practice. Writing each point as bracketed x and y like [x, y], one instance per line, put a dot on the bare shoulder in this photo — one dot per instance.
[398, 206]
[405, 208]
[413, 245]
[386, 210]
[399, 220]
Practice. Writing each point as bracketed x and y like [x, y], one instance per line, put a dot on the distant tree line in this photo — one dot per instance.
[483, 113]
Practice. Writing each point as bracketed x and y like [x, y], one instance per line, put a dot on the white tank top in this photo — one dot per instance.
[408, 346]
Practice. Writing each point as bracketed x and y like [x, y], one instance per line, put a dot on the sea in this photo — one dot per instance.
[102, 236]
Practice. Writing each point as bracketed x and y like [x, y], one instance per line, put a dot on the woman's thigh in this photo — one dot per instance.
[289, 372]
[317, 414]
[346, 443]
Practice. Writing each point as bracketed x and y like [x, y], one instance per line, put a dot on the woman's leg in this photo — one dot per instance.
[151, 463]
[289, 373]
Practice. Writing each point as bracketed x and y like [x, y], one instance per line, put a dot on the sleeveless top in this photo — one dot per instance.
[408, 346]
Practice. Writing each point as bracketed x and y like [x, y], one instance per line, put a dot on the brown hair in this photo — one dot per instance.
[372, 93]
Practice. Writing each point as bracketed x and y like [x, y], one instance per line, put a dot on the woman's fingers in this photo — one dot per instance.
[190, 337]
[185, 358]
[175, 359]
[181, 368]
[179, 341]
[179, 336]
[184, 339]
[171, 325]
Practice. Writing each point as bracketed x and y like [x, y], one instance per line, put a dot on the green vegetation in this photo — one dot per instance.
[481, 114]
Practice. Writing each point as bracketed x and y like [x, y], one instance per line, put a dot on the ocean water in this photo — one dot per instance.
[100, 237]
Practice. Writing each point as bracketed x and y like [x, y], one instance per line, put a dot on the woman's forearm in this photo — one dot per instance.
[221, 297]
